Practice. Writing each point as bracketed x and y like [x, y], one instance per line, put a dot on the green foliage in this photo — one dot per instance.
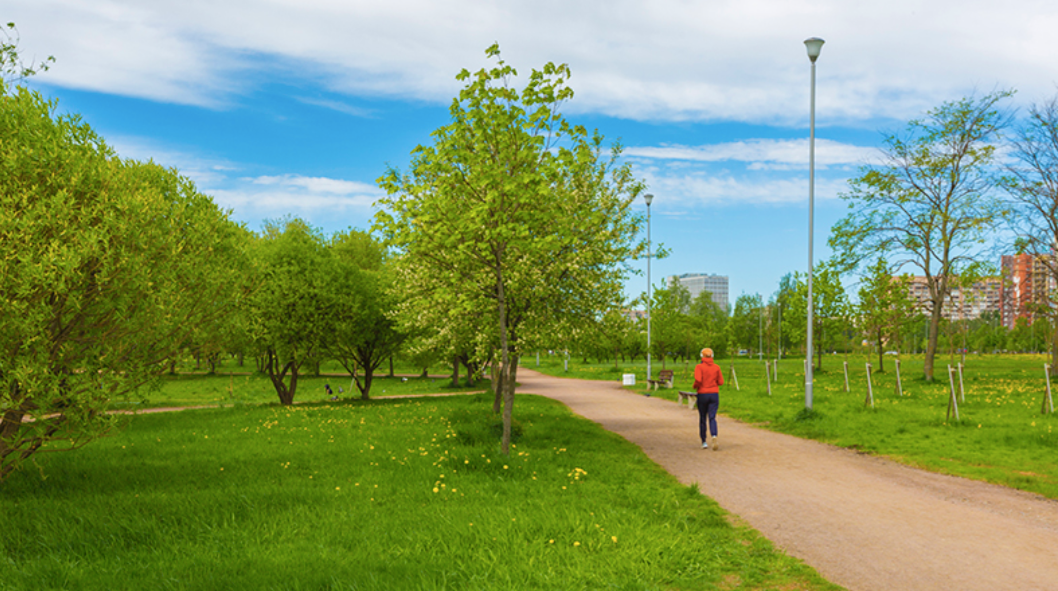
[109, 266]
[360, 333]
[1033, 187]
[931, 204]
[372, 495]
[885, 306]
[512, 223]
[287, 309]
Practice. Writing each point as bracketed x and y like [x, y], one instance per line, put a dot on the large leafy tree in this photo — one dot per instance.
[289, 306]
[514, 211]
[931, 203]
[108, 266]
[1033, 189]
[361, 333]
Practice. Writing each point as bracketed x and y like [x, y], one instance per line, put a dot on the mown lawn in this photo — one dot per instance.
[1001, 435]
[388, 494]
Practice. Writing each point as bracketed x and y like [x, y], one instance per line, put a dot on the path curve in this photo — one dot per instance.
[862, 522]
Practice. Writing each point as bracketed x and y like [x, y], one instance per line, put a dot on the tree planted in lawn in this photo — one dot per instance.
[885, 306]
[514, 211]
[360, 334]
[108, 267]
[931, 204]
[289, 306]
[1033, 187]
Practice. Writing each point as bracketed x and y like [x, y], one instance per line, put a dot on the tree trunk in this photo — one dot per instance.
[424, 373]
[881, 355]
[391, 366]
[1054, 349]
[455, 371]
[505, 365]
[931, 343]
[365, 388]
[497, 387]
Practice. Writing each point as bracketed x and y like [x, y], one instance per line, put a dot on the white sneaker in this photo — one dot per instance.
[716, 446]
[705, 445]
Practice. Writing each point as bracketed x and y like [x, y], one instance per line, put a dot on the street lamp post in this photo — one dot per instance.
[813, 45]
[648, 198]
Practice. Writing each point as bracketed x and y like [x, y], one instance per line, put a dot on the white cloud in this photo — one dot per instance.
[331, 204]
[338, 106]
[763, 153]
[646, 60]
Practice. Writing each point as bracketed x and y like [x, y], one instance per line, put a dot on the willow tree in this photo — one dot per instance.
[930, 204]
[108, 266]
[513, 211]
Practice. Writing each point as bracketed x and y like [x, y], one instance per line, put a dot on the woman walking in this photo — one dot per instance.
[707, 382]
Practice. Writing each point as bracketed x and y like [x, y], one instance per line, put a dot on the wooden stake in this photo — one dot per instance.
[953, 403]
[734, 376]
[899, 385]
[870, 389]
[1047, 401]
[962, 393]
[766, 376]
[847, 376]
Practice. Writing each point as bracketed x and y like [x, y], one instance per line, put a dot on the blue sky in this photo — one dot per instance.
[281, 107]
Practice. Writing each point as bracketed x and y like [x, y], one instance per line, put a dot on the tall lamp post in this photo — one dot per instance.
[814, 45]
[648, 198]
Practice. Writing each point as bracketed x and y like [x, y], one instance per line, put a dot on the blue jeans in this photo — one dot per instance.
[707, 405]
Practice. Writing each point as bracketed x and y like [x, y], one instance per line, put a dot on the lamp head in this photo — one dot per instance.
[648, 198]
[814, 45]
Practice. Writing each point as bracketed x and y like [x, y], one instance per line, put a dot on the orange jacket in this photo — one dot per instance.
[707, 377]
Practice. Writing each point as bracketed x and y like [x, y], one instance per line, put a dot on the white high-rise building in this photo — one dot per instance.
[696, 283]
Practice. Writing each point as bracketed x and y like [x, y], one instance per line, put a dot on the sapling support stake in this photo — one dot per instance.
[734, 376]
[953, 403]
[775, 370]
[899, 385]
[870, 389]
[846, 376]
[766, 378]
[1049, 401]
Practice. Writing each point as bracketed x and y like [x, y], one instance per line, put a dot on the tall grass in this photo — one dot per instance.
[398, 494]
[1001, 436]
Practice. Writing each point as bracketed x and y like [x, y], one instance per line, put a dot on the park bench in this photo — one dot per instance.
[690, 397]
[664, 379]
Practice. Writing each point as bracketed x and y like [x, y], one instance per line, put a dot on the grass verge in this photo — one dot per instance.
[398, 494]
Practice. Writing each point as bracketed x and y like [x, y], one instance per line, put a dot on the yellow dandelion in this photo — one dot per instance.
[575, 544]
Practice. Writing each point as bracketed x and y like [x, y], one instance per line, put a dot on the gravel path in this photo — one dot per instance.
[862, 522]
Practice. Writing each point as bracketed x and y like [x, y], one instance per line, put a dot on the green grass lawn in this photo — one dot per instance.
[388, 494]
[1002, 437]
[232, 389]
